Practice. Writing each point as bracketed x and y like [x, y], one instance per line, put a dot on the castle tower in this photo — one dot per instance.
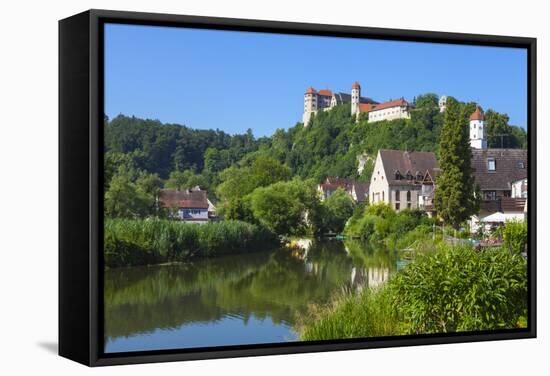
[477, 130]
[442, 103]
[355, 97]
[310, 105]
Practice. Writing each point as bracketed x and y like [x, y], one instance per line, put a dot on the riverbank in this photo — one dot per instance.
[132, 242]
[452, 289]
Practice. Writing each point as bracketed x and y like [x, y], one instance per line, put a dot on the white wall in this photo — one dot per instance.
[28, 151]
[378, 188]
[389, 114]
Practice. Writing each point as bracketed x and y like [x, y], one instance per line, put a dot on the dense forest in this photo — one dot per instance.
[142, 156]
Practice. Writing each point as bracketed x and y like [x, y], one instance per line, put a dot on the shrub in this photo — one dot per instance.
[449, 290]
[381, 223]
[514, 234]
[460, 289]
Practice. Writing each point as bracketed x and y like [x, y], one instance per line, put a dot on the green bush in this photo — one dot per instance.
[381, 223]
[514, 236]
[141, 242]
[449, 290]
[460, 289]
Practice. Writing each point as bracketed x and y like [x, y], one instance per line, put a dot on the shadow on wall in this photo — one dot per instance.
[51, 347]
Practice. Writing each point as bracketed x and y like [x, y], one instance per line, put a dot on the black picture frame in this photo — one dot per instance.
[81, 193]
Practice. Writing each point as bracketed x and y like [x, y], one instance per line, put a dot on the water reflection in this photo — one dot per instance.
[240, 299]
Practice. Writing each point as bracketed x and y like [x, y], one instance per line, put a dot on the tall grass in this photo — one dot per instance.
[451, 289]
[129, 242]
[350, 315]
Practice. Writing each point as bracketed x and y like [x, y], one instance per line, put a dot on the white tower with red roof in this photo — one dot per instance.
[477, 130]
[310, 105]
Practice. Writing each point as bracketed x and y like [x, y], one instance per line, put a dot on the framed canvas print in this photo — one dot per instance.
[236, 187]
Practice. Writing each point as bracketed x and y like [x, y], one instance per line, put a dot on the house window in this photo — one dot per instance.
[397, 194]
[490, 195]
[409, 205]
[521, 164]
[408, 195]
[491, 164]
[382, 195]
[397, 206]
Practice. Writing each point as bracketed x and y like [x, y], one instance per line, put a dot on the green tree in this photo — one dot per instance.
[514, 234]
[455, 197]
[125, 199]
[286, 208]
[178, 179]
[337, 209]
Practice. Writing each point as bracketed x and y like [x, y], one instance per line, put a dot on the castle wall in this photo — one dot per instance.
[389, 114]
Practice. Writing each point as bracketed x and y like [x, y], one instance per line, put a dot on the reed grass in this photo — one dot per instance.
[129, 242]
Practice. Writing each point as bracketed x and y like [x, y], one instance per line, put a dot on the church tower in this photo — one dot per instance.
[310, 105]
[477, 130]
[355, 97]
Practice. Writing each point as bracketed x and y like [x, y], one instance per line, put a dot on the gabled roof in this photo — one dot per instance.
[407, 161]
[187, 199]
[367, 100]
[311, 90]
[361, 190]
[374, 106]
[342, 182]
[504, 205]
[325, 92]
[365, 107]
[342, 98]
[477, 114]
[395, 103]
[507, 167]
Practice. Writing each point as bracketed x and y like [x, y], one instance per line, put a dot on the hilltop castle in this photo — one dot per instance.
[326, 100]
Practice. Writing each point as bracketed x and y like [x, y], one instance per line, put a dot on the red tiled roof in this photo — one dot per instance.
[310, 90]
[325, 92]
[366, 107]
[395, 103]
[477, 114]
[338, 181]
[355, 85]
[183, 199]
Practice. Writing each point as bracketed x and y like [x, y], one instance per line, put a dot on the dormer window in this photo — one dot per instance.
[491, 164]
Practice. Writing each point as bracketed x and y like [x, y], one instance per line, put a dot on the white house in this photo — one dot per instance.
[191, 205]
[500, 174]
[403, 179]
[519, 188]
[391, 110]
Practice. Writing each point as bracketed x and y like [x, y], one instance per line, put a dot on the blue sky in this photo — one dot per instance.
[233, 81]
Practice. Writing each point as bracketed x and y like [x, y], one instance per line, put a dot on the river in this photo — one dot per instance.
[233, 300]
